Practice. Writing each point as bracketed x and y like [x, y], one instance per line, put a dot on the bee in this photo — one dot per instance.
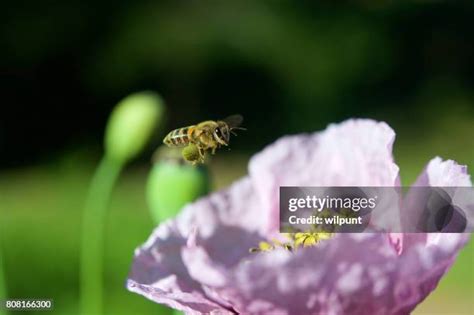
[207, 135]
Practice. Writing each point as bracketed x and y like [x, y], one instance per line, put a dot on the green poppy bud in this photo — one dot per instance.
[132, 124]
[173, 183]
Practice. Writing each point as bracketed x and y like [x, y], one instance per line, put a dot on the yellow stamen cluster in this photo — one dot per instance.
[316, 234]
[310, 239]
[296, 240]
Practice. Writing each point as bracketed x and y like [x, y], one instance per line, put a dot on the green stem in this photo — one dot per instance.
[3, 290]
[92, 245]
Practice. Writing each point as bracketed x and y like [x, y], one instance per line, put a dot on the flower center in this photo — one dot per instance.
[316, 234]
[295, 241]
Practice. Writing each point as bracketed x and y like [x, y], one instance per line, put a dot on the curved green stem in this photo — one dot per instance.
[3, 290]
[92, 245]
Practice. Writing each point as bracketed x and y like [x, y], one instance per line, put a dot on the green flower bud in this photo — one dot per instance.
[132, 124]
[172, 183]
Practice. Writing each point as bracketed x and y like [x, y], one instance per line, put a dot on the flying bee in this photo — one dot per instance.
[207, 135]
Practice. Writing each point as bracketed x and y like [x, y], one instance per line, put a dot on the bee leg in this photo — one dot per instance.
[201, 155]
[213, 150]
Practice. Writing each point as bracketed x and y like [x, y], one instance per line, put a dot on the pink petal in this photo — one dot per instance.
[437, 173]
[356, 152]
[159, 274]
[220, 225]
[335, 277]
[444, 174]
[349, 274]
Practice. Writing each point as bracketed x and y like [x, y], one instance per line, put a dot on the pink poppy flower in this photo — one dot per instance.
[200, 262]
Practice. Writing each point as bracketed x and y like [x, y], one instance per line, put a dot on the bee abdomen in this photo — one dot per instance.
[178, 137]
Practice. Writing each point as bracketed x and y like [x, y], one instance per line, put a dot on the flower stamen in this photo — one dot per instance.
[296, 240]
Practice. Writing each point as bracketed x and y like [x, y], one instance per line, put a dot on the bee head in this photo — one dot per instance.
[222, 134]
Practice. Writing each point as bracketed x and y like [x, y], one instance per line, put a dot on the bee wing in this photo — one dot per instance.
[234, 120]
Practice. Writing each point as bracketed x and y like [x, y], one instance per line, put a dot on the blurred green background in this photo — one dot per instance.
[287, 67]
